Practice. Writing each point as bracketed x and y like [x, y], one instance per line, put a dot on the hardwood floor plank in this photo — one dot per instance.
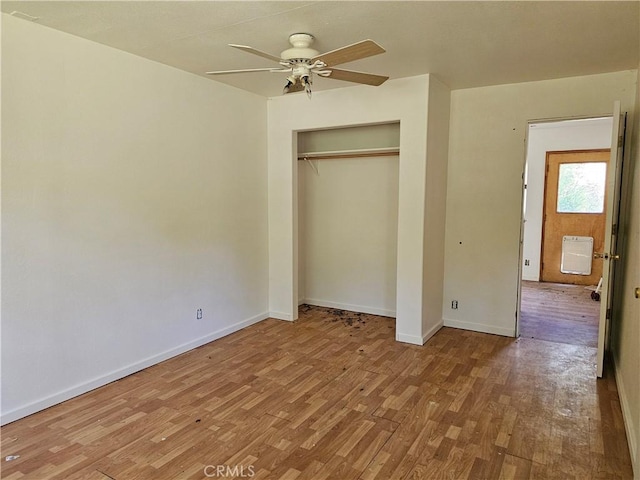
[514, 468]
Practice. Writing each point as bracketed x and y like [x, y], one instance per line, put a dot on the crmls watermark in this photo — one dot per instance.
[221, 471]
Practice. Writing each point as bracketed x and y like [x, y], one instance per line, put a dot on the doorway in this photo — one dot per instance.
[561, 230]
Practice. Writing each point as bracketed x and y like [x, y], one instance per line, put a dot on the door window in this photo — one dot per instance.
[581, 187]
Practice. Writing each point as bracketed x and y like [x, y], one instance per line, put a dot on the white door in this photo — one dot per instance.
[609, 255]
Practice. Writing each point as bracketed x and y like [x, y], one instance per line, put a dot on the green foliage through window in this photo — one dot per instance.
[581, 187]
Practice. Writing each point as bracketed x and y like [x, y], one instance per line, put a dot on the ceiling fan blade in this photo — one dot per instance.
[357, 77]
[260, 53]
[363, 49]
[248, 70]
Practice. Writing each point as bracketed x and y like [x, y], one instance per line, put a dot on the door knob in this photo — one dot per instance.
[606, 256]
[637, 292]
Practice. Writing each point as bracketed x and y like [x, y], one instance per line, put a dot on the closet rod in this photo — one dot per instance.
[349, 154]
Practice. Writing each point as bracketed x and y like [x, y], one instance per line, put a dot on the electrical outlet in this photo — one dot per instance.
[199, 314]
[454, 304]
[526, 262]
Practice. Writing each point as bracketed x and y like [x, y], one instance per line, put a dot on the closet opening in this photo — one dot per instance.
[348, 182]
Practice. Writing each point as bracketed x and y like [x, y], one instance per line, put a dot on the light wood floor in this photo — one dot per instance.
[559, 313]
[333, 396]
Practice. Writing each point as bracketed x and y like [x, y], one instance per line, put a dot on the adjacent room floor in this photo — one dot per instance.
[333, 396]
[559, 313]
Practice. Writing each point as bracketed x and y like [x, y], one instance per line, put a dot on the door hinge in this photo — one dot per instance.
[614, 229]
[620, 141]
[608, 316]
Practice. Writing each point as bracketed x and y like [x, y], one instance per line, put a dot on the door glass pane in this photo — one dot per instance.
[581, 187]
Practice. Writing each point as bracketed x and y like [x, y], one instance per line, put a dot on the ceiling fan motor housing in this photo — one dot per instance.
[300, 52]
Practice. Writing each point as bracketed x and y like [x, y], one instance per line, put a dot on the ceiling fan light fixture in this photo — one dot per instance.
[291, 81]
[306, 81]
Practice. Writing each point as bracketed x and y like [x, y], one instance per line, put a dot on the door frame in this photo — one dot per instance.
[523, 205]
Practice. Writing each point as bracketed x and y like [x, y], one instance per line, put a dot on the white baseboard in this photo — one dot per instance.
[415, 339]
[412, 339]
[479, 327]
[632, 435]
[282, 316]
[33, 407]
[351, 308]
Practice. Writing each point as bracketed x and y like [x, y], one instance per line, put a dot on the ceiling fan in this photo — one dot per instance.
[301, 62]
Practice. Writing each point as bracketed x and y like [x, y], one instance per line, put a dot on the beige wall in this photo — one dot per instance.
[130, 198]
[348, 232]
[434, 208]
[484, 192]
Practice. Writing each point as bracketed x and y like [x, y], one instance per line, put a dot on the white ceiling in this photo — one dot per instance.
[465, 44]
